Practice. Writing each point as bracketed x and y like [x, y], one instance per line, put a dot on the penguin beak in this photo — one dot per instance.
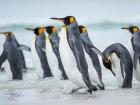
[126, 28]
[30, 29]
[58, 19]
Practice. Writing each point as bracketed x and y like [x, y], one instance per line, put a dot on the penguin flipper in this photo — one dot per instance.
[24, 47]
[3, 57]
[93, 48]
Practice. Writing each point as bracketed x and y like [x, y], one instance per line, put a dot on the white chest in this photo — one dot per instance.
[52, 60]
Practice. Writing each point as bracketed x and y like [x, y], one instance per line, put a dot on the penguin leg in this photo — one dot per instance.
[127, 83]
[83, 68]
[101, 87]
[16, 73]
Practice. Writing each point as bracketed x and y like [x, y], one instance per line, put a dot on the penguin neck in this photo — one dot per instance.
[73, 28]
[9, 38]
[41, 36]
[54, 39]
[110, 50]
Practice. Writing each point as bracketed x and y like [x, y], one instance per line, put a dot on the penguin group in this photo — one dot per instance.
[69, 54]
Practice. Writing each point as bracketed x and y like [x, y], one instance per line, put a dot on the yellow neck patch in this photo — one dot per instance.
[34, 38]
[135, 29]
[47, 39]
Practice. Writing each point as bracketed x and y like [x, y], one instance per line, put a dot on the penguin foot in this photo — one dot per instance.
[94, 88]
[75, 90]
[89, 91]
[2, 69]
[65, 77]
[101, 87]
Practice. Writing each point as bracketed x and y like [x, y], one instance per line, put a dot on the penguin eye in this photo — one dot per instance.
[84, 30]
[135, 29]
[71, 20]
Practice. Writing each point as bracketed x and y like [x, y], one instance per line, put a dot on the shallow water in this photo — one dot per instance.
[32, 91]
[103, 20]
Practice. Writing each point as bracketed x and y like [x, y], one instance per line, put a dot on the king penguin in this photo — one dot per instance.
[22, 47]
[93, 60]
[39, 55]
[135, 49]
[52, 51]
[11, 52]
[120, 63]
[72, 54]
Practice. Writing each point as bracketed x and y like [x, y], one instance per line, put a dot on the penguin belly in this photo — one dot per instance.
[36, 60]
[52, 60]
[117, 68]
[7, 68]
[91, 70]
[137, 71]
[69, 61]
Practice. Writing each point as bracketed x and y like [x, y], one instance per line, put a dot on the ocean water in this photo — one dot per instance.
[103, 20]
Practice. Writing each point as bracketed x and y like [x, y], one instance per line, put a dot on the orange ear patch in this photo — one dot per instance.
[135, 29]
[84, 30]
[72, 19]
[53, 29]
[41, 31]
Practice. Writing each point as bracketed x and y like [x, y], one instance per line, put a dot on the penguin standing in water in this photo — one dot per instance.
[11, 52]
[52, 49]
[120, 63]
[22, 47]
[135, 49]
[72, 54]
[39, 56]
[95, 74]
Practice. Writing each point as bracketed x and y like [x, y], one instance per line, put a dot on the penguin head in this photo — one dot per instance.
[51, 30]
[107, 63]
[7, 34]
[39, 31]
[132, 29]
[68, 20]
[82, 29]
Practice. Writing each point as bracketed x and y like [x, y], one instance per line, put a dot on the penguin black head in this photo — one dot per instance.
[7, 34]
[132, 29]
[66, 20]
[107, 63]
[82, 29]
[50, 29]
[37, 31]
